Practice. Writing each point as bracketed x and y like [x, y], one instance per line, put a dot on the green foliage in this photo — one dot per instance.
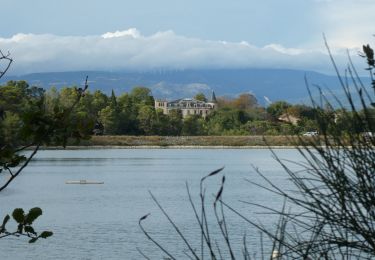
[99, 101]
[175, 123]
[31, 117]
[46, 234]
[108, 116]
[68, 97]
[225, 119]
[193, 125]
[142, 96]
[277, 108]
[201, 97]
[134, 114]
[24, 225]
[260, 128]
[33, 214]
[301, 111]
[112, 100]
[18, 215]
[147, 119]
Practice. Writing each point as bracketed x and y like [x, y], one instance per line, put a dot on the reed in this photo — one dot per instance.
[330, 213]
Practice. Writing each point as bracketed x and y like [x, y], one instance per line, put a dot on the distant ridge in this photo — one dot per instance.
[274, 84]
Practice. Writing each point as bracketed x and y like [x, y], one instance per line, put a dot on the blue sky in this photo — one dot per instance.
[259, 22]
[43, 34]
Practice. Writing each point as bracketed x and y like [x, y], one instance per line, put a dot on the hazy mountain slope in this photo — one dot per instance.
[276, 84]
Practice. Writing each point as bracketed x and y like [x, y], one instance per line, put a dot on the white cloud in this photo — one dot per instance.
[129, 50]
[347, 23]
[132, 32]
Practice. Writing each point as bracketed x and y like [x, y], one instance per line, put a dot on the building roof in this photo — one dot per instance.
[188, 103]
[213, 97]
[289, 118]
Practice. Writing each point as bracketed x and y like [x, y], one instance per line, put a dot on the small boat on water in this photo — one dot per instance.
[84, 182]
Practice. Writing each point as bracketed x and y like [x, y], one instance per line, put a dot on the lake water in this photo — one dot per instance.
[101, 221]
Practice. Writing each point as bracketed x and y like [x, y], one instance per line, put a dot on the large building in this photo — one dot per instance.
[188, 106]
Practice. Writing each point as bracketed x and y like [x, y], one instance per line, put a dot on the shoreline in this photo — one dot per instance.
[98, 147]
[185, 142]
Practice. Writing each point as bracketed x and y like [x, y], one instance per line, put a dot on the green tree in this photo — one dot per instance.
[147, 120]
[99, 101]
[128, 123]
[193, 125]
[175, 123]
[308, 125]
[302, 111]
[277, 108]
[10, 122]
[31, 124]
[26, 122]
[142, 96]
[162, 123]
[68, 97]
[113, 100]
[109, 117]
[201, 97]
[225, 119]
[245, 101]
[52, 100]
[81, 117]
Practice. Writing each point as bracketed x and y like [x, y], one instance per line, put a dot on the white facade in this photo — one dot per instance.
[188, 106]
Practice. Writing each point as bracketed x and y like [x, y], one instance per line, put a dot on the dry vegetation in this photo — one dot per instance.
[196, 141]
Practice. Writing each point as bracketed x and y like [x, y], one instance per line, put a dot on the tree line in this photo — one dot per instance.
[133, 113]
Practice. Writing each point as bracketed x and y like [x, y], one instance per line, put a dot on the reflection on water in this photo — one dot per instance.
[101, 221]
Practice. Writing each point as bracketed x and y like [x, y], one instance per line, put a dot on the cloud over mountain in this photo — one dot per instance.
[130, 50]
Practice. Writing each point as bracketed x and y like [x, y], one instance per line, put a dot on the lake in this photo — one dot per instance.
[101, 221]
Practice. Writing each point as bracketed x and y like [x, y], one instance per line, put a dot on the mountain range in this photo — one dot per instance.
[266, 84]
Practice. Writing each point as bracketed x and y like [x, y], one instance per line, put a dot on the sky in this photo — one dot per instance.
[54, 35]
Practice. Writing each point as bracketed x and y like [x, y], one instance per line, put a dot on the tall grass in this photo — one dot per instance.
[330, 212]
